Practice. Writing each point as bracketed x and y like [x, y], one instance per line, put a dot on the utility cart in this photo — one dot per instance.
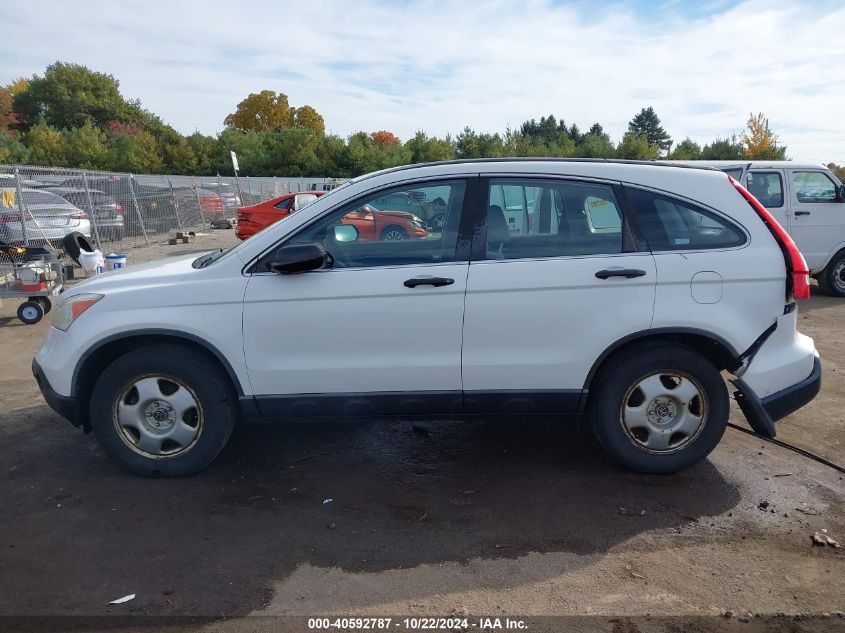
[35, 277]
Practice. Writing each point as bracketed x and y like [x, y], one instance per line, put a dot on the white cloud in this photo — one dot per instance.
[405, 66]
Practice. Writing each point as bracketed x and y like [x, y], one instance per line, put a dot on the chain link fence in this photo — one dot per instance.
[119, 211]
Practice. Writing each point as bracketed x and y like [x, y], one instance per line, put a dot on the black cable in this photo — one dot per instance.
[795, 449]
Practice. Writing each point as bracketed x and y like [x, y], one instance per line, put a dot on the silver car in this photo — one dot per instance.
[48, 217]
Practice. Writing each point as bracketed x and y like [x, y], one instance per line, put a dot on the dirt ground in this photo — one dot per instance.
[433, 519]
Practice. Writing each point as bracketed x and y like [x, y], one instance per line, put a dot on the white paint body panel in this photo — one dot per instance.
[354, 330]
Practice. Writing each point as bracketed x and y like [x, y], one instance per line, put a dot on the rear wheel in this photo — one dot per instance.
[659, 409]
[163, 410]
[832, 278]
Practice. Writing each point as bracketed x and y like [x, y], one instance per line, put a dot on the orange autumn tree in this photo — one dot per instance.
[383, 138]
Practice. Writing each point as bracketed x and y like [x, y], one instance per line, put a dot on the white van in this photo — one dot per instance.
[809, 201]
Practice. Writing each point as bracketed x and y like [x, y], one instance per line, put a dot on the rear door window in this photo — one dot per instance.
[670, 224]
[767, 187]
[529, 219]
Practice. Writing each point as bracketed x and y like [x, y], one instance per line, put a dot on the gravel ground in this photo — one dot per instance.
[438, 518]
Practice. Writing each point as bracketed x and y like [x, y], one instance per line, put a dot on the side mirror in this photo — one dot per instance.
[345, 233]
[840, 193]
[298, 258]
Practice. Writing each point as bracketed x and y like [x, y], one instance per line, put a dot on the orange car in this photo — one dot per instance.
[372, 224]
[258, 216]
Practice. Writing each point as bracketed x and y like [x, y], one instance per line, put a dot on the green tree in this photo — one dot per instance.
[470, 144]
[686, 150]
[12, 150]
[646, 123]
[262, 112]
[596, 144]
[84, 147]
[308, 118]
[723, 149]
[178, 156]
[204, 149]
[69, 96]
[137, 153]
[45, 145]
[8, 118]
[425, 149]
[759, 141]
[637, 147]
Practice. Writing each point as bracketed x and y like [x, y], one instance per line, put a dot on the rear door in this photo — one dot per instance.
[544, 301]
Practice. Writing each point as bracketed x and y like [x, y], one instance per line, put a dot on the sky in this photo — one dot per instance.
[408, 65]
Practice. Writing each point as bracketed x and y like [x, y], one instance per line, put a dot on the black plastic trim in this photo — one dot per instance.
[658, 332]
[519, 402]
[780, 404]
[65, 406]
[321, 405]
[763, 413]
[185, 336]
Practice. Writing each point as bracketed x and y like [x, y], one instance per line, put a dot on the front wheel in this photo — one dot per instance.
[832, 278]
[659, 409]
[163, 410]
[394, 234]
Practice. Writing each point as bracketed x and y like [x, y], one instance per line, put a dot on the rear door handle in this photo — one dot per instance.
[802, 213]
[628, 273]
[429, 281]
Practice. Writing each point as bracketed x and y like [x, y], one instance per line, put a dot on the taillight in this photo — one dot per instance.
[119, 209]
[795, 264]
[6, 218]
[78, 216]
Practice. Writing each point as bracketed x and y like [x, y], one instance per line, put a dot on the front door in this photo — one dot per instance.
[556, 283]
[817, 219]
[378, 331]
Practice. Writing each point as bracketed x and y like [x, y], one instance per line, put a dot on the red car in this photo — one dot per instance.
[253, 218]
[372, 224]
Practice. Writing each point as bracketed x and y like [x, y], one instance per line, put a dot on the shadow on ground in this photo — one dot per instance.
[77, 533]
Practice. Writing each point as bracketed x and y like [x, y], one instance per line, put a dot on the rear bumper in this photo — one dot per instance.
[65, 406]
[762, 413]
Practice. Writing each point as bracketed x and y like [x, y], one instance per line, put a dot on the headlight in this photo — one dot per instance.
[68, 311]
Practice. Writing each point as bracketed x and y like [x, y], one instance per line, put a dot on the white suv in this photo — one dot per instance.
[620, 295]
[808, 200]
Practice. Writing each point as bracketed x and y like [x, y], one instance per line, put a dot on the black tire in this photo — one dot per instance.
[203, 378]
[832, 278]
[616, 385]
[45, 303]
[30, 312]
[74, 243]
[393, 229]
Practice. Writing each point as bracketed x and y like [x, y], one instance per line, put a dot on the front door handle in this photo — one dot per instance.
[802, 213]
[628, 273]
[429, 281]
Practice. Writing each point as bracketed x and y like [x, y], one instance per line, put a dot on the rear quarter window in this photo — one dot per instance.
[670, 224]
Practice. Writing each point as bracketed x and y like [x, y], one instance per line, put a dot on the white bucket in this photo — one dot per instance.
[115, 261]
[92, 262]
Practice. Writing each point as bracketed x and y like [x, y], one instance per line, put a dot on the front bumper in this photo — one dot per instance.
[65, 406]
[762, 413]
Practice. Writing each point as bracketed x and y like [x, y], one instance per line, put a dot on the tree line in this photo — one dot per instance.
[72, 116]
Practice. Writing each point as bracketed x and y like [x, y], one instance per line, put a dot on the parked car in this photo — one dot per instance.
[48, 217]
[108, 214]
[809, 202]
[372, 224]
[430, 206]
[650, 281]
[154, 204]
[226, 193]
[255, 217]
